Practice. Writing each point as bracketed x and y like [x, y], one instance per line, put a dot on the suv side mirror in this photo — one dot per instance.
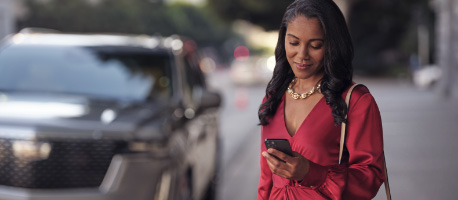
[210, 100]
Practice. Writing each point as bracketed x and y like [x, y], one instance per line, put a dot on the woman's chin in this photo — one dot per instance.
[308, 76]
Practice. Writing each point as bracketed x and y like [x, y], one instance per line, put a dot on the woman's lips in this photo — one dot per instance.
[303, 66]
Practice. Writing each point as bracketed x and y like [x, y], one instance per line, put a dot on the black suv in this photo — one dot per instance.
[90, 116]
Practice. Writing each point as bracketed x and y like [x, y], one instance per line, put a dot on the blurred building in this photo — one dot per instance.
[447, 45]
[6, 18]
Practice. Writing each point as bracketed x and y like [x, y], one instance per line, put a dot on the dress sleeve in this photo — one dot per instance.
[364, 142]
[315, 176]
[365, 147]
[265, 180]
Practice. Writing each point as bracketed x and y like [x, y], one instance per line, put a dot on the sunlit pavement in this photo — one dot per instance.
[420, 131]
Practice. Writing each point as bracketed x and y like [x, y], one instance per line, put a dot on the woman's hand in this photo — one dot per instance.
[294, 168]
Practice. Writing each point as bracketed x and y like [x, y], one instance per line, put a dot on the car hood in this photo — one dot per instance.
[37, 116]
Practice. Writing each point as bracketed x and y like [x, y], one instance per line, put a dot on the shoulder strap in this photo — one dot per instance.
[344, 125]
[342, 142]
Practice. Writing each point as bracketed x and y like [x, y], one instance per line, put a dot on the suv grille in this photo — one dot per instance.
[71, 164]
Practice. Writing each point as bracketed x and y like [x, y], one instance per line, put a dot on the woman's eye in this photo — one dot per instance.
[294, 43]
[316, 46]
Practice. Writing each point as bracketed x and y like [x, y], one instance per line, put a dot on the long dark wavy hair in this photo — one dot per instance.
[337, 65]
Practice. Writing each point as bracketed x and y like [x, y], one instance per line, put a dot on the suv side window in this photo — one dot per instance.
[194, 74]
[194, 81]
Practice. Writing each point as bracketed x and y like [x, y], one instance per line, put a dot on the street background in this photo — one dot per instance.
[405, 52]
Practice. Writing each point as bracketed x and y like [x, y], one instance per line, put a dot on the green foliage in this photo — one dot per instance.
[266, 13]
[127, 16]
[384, 33]
[197, 23]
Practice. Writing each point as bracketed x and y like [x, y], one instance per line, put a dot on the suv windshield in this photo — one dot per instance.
[123, 73]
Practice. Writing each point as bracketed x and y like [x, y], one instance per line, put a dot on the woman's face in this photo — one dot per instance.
[304, 45]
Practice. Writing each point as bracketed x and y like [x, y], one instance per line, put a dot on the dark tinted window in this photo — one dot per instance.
[194, 80]
[128, 73]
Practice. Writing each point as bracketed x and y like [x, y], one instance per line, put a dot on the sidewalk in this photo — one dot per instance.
[420, 134]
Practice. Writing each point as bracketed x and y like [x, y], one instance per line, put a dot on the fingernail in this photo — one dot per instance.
[269, 150]
[264, 153]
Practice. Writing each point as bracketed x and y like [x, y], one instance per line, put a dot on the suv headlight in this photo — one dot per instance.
[31, 150]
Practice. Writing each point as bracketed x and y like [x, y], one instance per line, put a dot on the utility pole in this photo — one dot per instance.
[6, 18]
[446, 49]
[454, 51]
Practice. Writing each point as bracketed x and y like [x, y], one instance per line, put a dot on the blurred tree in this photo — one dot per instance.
[82, 16]
[384, 33]
[266, 13]
[198, 23]
[130, 17]
[127, 16]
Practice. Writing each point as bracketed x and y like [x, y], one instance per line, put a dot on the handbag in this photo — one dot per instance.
[342, 144]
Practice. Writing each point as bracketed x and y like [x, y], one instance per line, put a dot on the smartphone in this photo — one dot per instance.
[279, 144]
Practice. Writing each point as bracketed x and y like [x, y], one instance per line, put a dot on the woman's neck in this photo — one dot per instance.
[305, 85]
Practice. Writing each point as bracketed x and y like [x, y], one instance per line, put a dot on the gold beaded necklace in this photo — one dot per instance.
[303, 95]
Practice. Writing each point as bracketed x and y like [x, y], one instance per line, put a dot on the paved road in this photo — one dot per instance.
[420, 131]
[240, 135]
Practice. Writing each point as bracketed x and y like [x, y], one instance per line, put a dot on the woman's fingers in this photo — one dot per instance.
[276, 166]
[280, 155]
[274, 161]
[293, 168]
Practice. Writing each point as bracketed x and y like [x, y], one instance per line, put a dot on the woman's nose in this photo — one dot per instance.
[303, 53]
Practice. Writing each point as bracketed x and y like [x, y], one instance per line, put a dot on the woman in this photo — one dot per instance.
[304, 103]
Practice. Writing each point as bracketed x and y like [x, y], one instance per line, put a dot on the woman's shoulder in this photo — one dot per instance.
[358, 91]
[360, 94]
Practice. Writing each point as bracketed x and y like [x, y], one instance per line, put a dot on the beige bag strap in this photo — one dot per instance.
[342, 143]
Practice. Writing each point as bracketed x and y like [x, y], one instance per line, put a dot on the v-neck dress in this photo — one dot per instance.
[318, 140]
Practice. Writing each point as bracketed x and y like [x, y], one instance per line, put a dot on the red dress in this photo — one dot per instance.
[318, 139]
